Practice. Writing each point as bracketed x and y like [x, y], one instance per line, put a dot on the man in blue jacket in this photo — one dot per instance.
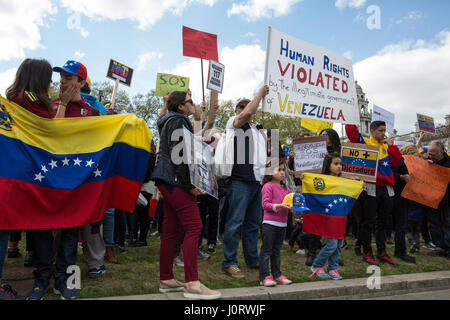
[92, 100]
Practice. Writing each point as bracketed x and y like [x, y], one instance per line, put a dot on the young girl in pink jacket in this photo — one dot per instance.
[274, 227]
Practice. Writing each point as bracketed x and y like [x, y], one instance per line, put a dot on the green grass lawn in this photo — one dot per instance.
[138, 270]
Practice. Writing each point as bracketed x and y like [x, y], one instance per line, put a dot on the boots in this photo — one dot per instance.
[110, 256]
[310, 258]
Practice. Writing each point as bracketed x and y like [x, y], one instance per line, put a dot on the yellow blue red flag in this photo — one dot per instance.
[329, 199]
[57, 173]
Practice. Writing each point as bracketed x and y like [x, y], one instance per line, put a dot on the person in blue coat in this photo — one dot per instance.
[92, 100]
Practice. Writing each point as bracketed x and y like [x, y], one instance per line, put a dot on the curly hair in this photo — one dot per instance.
[409, 149]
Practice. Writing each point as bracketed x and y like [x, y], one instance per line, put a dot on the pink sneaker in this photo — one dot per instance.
[283, 280]
[334, 274]
[319, 272]
[268, 282]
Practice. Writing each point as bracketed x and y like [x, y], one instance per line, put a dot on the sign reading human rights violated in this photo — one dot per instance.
[360, 160]
[308, 81]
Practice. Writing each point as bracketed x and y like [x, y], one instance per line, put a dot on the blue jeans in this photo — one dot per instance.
[108, 227]
[4, 236]
[244, 217]
[272, 241]
[331, 252]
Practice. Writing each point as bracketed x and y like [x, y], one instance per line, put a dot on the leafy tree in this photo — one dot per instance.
[146, 107]
[122, 99]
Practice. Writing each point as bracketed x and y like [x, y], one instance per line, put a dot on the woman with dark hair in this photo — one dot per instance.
[333, 140]
[181, 212]
[30, 91]
[31, 86]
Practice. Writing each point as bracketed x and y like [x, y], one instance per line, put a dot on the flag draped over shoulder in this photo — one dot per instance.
[57, 173]
[329, 199]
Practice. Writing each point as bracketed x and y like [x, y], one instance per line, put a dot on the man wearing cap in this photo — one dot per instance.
[92, 100]
[73, 78]
[244, 189]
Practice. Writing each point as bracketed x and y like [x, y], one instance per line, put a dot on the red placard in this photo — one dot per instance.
[198, 44]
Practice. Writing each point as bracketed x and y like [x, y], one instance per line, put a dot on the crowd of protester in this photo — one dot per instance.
[249, 206]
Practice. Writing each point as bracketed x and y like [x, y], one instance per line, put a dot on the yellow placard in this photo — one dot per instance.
[315, 125]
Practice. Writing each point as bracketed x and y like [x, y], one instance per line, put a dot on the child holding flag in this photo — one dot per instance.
[276, 212]
[330, 200]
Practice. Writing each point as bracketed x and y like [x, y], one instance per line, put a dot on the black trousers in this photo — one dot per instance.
[376, 213]
[16, 236]
[209, 213]
[143, 220]
[356, 214]
[43, 254]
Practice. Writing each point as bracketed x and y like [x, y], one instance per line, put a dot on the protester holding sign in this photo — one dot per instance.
[333, 140]
[440, 219]
[401, 206]
[379, 201]
[181, 213]
[244, 189]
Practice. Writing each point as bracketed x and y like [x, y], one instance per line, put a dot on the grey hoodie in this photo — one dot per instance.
[166, 171]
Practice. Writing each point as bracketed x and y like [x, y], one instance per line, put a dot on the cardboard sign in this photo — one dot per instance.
[380, 114]
[426, 123]
[360, 160]
[200, 159]
[215, 76]
[428, 182]
[316, 125]
[308, 81]
[309, 154]
[170, 83]
[120, 71]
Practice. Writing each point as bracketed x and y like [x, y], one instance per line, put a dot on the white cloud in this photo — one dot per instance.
[411, 15]
[244, 72]
[6, 79]
[408, 78]
[348, 55]
[78, 54]
[145, 58]
[342, 4]
[19, 26]
[146, 13]
[253, 10]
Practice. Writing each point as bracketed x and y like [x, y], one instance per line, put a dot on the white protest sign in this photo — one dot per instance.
[309, 154]
[200, 159]
[380, 114]
[215, 76]
[308, 81]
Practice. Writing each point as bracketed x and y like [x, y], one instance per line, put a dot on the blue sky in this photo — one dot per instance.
[147, 37]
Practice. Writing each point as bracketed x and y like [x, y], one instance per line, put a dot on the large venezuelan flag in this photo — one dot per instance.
[57, 173]
[329, 199]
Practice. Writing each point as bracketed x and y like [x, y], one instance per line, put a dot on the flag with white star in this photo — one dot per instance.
[57, 173]
[329, 199]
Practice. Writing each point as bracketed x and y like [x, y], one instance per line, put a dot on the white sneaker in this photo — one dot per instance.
[300, 251]
[178, 262]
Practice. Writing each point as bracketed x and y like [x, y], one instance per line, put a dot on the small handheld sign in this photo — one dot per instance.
[170, 83]
[309, 154]
[426, 123]
[120, 71]
[360, 160]
[215, 76]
